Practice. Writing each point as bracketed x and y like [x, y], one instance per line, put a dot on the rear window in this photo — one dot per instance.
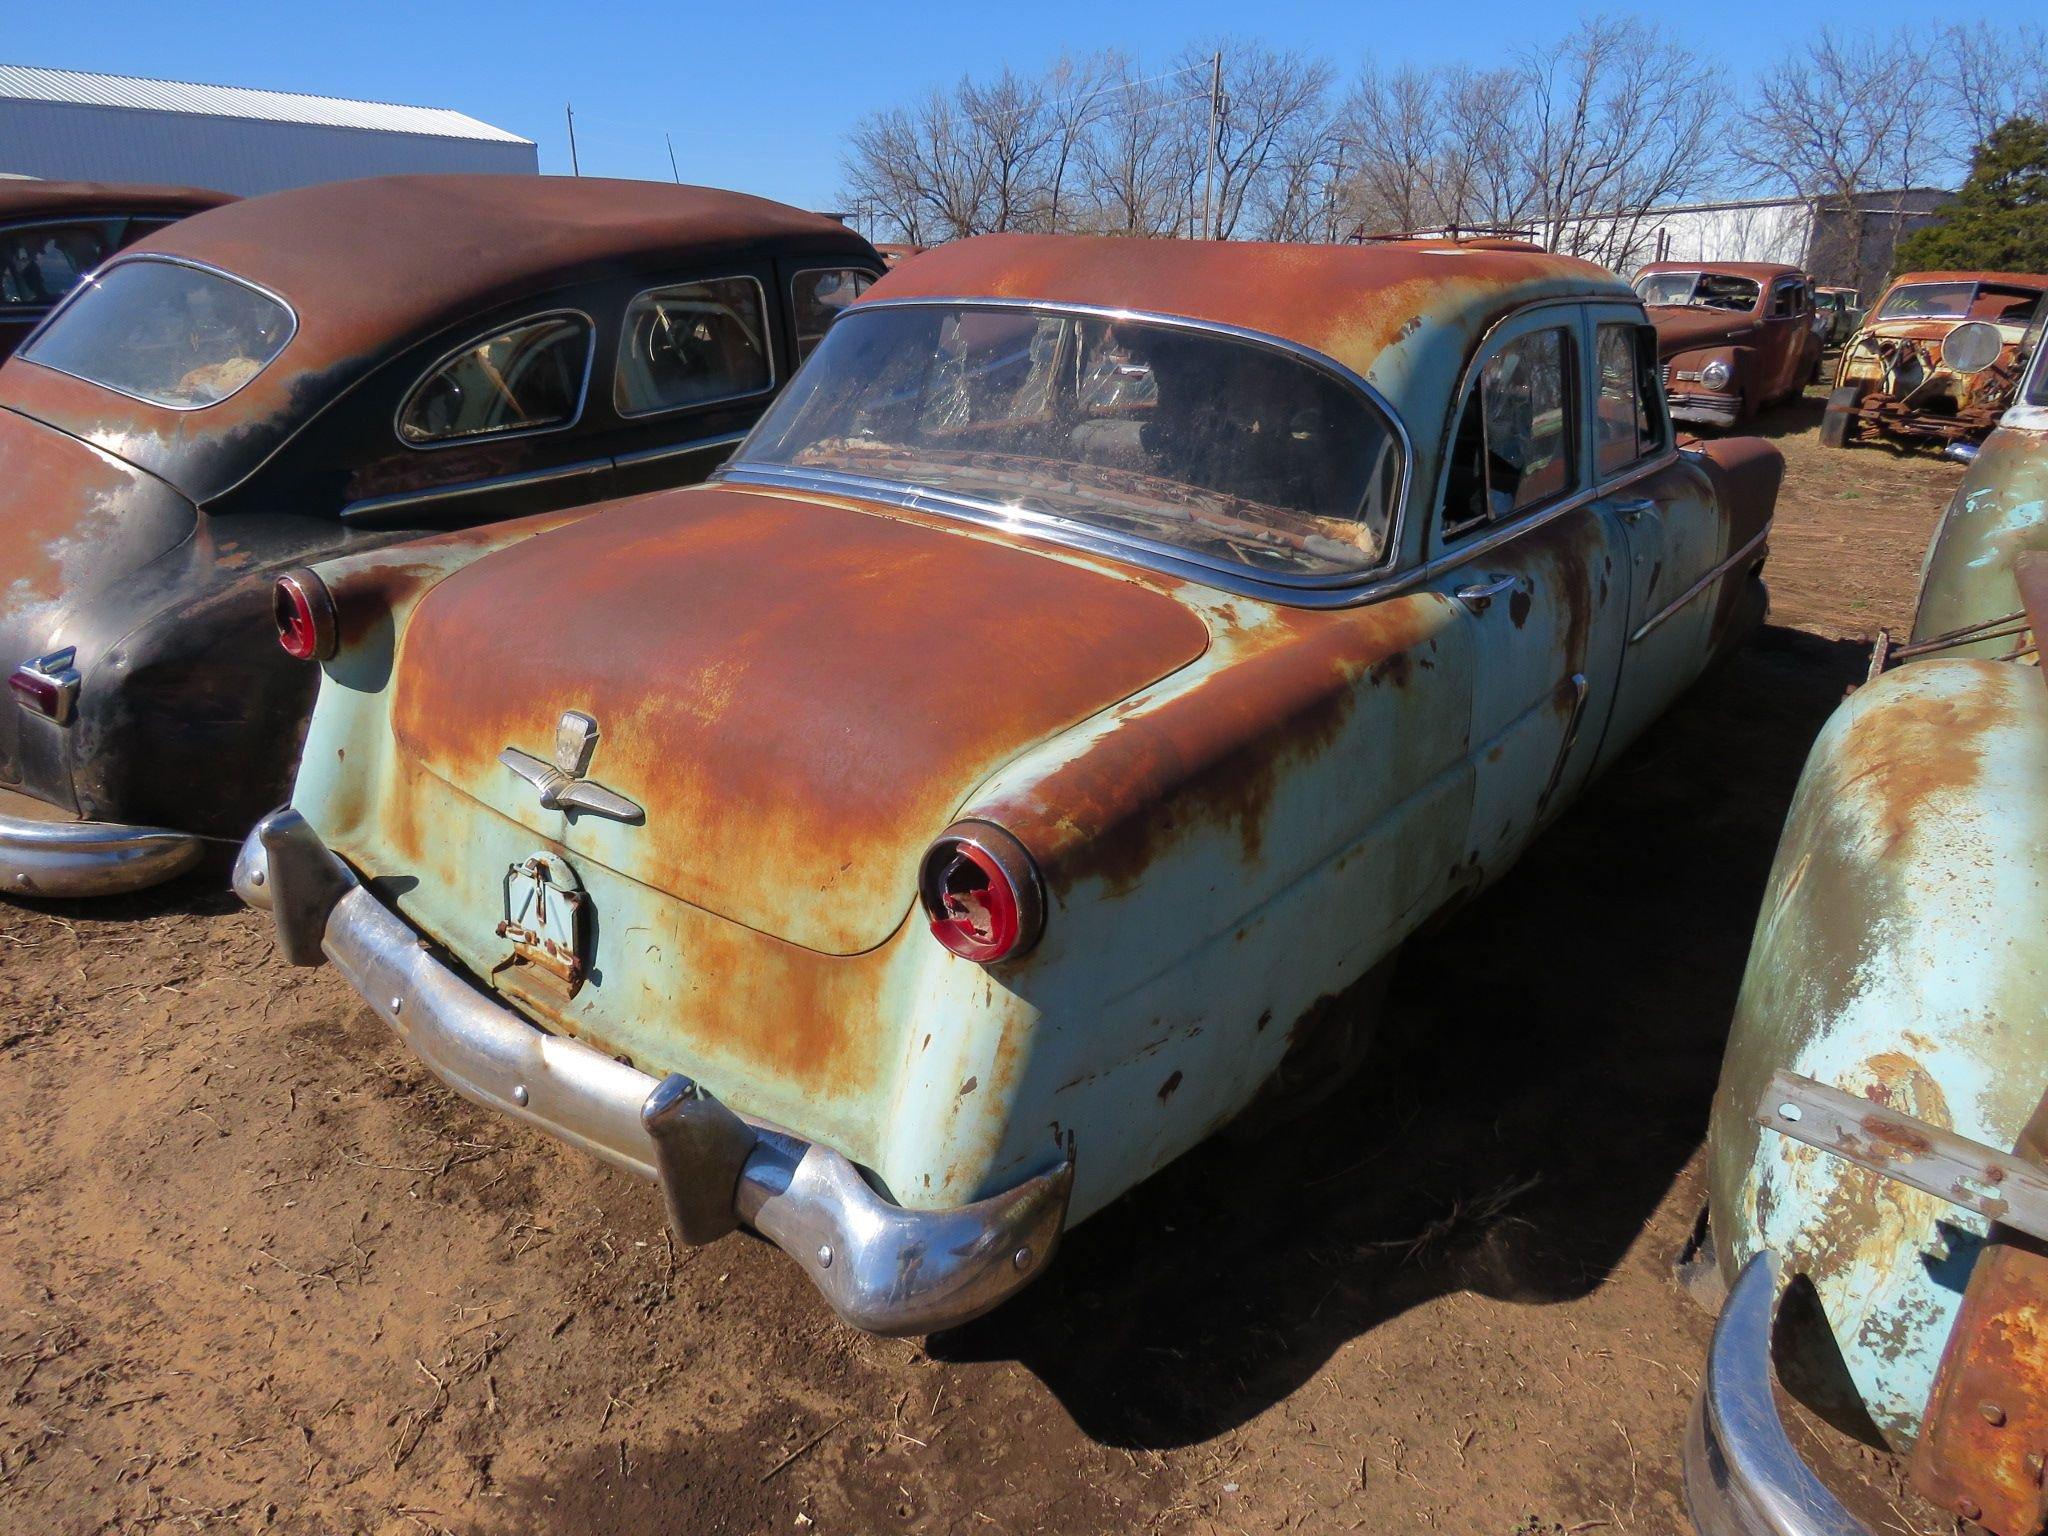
[165, 333]
[1236, 452]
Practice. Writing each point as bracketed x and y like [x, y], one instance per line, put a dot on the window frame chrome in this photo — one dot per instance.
[1601, 313]
[767, 348]
[92, 280]
[1332, 589]
[796, 335]
[492, 333]
[1584, 480]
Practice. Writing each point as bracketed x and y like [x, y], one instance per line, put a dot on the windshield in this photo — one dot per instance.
[1702, 290]
[164, 333]
[1227, 449]
[1946, 300]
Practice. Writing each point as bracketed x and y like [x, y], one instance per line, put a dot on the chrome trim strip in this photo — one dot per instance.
[679, 450]
[767, 349]
[1396, 524]
[89, 858]
[1742, 1475]
[505, 328]
[377, 506]
[1700, 586]
[880, 1266]
[93, 279]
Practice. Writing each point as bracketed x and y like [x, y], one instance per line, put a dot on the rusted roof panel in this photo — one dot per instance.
[1374, 308]
[29, 199]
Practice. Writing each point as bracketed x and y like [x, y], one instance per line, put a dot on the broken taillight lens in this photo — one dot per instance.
[304, 611]
[981, 893]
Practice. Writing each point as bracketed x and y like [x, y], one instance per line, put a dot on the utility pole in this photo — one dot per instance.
[1215, 121]
[678, 175]
[574, 168]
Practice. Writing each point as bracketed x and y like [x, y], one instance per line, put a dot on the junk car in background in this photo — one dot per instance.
[1733, 337]
[1937, 362]
[336, 368]
[54, 232]
[1024, 754]
[1878, 1150]
[1840, 311]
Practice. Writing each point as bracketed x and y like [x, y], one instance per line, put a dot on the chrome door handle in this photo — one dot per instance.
[1480, 596]
[1632, 509]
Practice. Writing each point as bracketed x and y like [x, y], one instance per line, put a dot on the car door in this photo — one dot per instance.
[698, 357]
[1537, 574]
[1787, 332]
[1673, 532]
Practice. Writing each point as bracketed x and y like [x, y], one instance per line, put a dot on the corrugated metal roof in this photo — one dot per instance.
[27, 83]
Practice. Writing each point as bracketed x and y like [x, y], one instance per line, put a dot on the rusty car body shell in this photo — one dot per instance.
[1240, 796]
[1901, 957]
[1769, 355]
[144, 539]
[1891, 383]
[113, 215]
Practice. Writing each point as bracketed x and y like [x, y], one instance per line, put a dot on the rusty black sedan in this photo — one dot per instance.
[321, 371]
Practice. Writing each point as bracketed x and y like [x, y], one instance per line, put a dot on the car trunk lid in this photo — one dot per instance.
[798, 693]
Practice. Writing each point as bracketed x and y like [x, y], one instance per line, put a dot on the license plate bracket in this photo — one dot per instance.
[546, 920]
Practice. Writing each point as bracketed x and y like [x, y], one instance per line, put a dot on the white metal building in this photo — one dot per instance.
[61, 124]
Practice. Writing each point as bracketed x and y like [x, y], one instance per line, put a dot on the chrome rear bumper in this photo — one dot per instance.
[44, 852]
[882, 1267]
[1742, 1475]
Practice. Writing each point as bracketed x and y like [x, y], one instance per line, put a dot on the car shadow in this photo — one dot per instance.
[1795, 417]
[1558, 1043]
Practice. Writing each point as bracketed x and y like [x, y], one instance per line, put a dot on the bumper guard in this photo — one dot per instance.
[881, 1267]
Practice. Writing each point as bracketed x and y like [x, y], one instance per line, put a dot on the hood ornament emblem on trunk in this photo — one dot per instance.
[561, 783]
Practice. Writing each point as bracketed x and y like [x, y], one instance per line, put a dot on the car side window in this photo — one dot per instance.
[40, 263]
[692, 344]
[1785, 301]
[819, 295]
[1628, 421]
[1514, 444]
[529, 377]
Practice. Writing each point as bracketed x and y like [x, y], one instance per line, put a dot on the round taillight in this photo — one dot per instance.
[304, 611]
[981, 893]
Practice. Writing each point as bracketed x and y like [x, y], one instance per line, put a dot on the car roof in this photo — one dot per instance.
[2008, 279]
[400, 255]
[26, 198]
[370, 267]
[1404, 315]
[1760, 271]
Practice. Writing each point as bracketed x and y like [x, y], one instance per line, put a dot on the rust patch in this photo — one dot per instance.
[969, 1086]
[1214, 755]
[1518, 607]
[788, 689]
[1929, 748]
[1167, 1088]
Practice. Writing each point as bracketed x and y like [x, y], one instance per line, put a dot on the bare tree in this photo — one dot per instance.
[1993, 72]
[1006, 131]
[1269, 96]
[1617, 122]
[1136, 157]
[1081, 94]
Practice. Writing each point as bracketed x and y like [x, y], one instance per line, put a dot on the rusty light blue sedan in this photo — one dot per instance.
[1026, 754]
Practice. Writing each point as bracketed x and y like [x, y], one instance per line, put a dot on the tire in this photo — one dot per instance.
[1838, 421]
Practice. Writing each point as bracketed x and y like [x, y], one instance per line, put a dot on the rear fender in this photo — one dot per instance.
[1901, 955]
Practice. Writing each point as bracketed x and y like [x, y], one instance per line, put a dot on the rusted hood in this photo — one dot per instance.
[799, 694]
[1684, 327]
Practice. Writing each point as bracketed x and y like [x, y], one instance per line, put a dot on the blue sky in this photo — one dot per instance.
[758, 96]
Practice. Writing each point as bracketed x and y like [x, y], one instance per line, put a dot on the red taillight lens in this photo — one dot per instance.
[42, 694]
[304, 610]
[981, 893]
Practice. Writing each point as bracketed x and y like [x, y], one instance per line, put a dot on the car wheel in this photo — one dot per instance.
[1838, 421]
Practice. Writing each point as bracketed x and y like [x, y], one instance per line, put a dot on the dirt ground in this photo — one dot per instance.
[259, 1272]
